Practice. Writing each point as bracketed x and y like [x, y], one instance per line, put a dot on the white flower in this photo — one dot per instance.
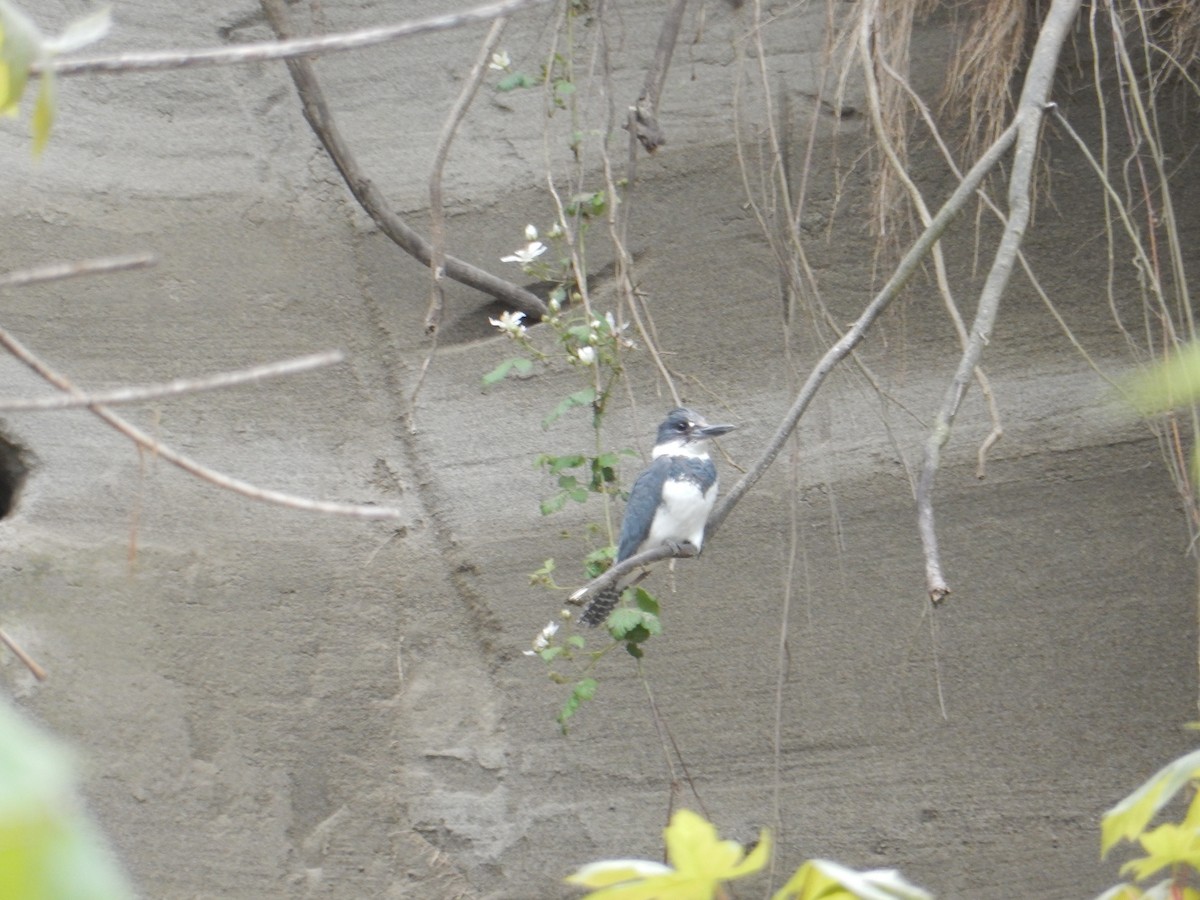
[526, 255]
[510, 323]
[618, 333]
[542, 641]
[500, 61]
[530, 232]
[587, 355]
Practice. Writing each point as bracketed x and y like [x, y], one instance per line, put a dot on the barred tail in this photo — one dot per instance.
[597, 611]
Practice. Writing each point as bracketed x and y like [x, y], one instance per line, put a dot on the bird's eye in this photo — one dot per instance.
[682, 426]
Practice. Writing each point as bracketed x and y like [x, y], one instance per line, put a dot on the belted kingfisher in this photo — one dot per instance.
[670, 500]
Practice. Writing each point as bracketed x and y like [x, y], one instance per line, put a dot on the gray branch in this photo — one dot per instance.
[316, 111]
[285, 49]
[1028, 122]
[835, 354]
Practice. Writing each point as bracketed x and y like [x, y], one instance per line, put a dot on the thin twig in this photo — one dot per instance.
[284, 49]
[852, 338]
[38, 672]
[437, 208]
[371, 199]
[1028, 121]
[645, 123]
[619, 570]
[868, 20]
[59, 271]
[141, 393]
[17, 349]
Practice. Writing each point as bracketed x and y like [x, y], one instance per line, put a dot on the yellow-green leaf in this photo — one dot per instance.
[1129, 818]
[820, 879]
[700, 862]
[1169, 384]
[43, 114]
[1166, 846]
[21, 44]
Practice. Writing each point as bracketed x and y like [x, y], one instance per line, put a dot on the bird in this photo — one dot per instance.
[670, 499]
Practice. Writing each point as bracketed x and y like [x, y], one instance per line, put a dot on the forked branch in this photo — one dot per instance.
[1028, 122]
[907, 266]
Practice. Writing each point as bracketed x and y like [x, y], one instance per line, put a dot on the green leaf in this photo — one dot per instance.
[579, 495]
[518, 365]
[556, 464]
[514, 80]
[584, 690]
[554, 504]
[585, 397]
[622, 621]
[645, 601]
[550, 653]
[598, 562]
[577, 641]
[568, 482]
[500, 372]
[1129, 818]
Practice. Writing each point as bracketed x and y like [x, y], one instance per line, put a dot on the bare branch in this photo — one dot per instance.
[286, 49]
[851, 339]
[170, 388]
[618, 570]
[437, 209]
[38, 672]
[60, 271]
[644, 121]
[854, 336]
[17, 349]
[1027, 121]
[372, 200]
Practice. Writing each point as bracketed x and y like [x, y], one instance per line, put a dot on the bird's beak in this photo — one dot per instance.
[712, 431]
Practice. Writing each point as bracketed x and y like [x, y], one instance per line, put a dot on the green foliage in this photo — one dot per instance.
[516, 80]
[598, 561]
[517, 365]
[596, 475]
[48, 848]
[634, 625]
[1170, 846]
[584, 397]
[582, 691]
[588, 204]
[545, 576]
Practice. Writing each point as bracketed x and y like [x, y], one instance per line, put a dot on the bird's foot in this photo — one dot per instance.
[683, 548]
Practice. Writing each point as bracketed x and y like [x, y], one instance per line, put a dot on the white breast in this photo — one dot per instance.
[682, 514]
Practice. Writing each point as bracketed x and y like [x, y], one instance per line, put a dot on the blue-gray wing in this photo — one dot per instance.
[644, 498]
